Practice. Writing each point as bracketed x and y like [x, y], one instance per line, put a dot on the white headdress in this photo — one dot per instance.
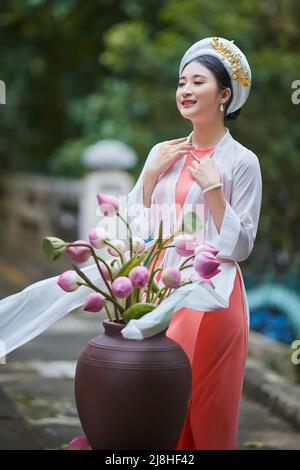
[233, 60]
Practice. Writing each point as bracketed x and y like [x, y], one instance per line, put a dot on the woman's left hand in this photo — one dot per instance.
[206, 172]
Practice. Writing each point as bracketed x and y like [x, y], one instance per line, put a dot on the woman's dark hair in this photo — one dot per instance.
[222, 77]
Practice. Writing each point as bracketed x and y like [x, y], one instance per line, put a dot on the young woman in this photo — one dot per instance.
[210, 168]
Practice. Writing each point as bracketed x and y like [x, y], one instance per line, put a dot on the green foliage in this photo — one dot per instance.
[130, 264]
[138, 310]
[77, 72]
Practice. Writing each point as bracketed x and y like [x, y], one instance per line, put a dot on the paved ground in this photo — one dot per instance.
[37, 407]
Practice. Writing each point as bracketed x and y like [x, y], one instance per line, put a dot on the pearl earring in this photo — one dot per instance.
[222, 108]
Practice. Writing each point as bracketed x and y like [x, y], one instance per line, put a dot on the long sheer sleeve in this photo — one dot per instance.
[240, 222]
[28, 313]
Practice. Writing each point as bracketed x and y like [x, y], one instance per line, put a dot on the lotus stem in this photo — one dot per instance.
[186, 260]
[159, 293]
[95, 288]
[155, 258]
[108, 312]
[99, 268]
[187, 266]
[130, 233]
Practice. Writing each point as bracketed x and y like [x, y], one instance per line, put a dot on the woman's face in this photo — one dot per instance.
[197, 95]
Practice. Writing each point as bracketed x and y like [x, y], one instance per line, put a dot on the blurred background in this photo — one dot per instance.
[90, 88]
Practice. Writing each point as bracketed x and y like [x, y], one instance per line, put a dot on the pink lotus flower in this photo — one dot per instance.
[201, 248]
[171, 277]
[139, 276]
[118, 244]
[109, 205]
[122, 287]
[94, 302]
[98, 236]
[68, 281]
[206, 265]
[79, 254]
[79, 443]
[185, 244]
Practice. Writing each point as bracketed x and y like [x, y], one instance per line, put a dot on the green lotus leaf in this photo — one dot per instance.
[132, 263]
[137, 311]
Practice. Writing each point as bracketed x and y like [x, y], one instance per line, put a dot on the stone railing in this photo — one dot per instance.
[33, 206]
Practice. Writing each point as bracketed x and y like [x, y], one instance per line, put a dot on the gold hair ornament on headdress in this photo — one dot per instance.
[239, 73]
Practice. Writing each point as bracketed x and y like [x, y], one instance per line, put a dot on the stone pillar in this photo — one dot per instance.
[109, 163]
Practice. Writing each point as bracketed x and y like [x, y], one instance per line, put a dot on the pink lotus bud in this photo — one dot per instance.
[118, 244]
[201, 248]
[68, 281]
[98, 236]
[79, 254]
[79, 443]
[138, 245]
[171, 277]
[139, 276]
[185, 244]
[109, 205]
[94, 302]
[206, 265]
[105, 271]
[122, 287]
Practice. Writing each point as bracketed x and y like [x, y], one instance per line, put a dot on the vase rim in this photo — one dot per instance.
[113, 326]
[107, 321]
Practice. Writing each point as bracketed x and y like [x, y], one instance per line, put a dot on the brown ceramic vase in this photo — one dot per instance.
[132, 394]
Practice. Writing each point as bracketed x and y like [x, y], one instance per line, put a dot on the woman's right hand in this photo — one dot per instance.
[169, 152]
